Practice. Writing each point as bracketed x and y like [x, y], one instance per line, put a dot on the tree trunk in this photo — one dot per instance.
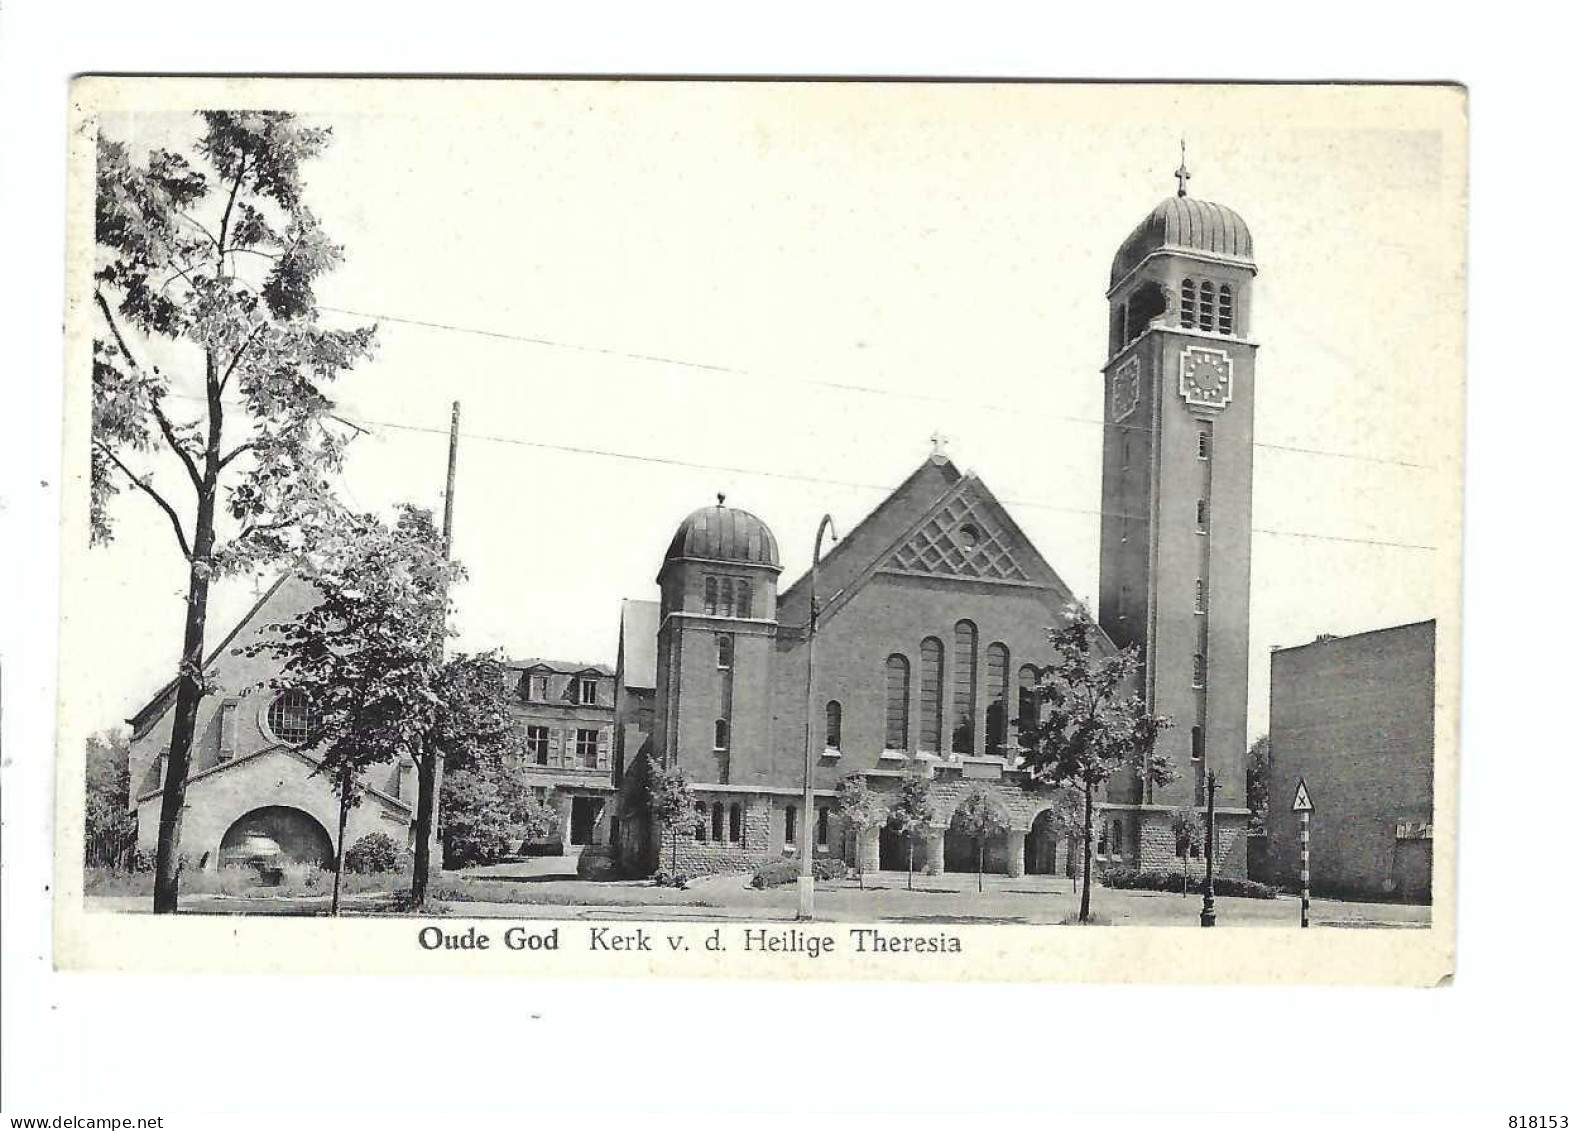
[910, 862]
[188, 696]
[427, 767]
[1085, 883]
[980, 864]
[339, 849]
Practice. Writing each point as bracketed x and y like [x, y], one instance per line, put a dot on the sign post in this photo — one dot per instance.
[1303, 806]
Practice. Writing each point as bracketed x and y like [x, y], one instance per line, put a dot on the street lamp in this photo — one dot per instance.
[1208, 910]
[807, 882]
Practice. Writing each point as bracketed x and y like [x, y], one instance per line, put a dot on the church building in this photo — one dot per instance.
[933, 613]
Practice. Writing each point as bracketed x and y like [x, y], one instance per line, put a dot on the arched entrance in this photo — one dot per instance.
[893, 847]
[959, 850]
[300, 837]
[1042, 852]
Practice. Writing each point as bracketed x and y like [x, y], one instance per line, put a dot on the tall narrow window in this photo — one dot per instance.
[1225, 310]
[1203, 444]
[701, 822]
[721, 734]
[537, 745]
[1118, 839]
[1200, 595]
[931, 695]
[1123, 602]
[718, 820]
[997, 699]
[587, 690]
[834, 730]
[963, 723]
[587, 747]
[1200, 516]
[896, 731]
[1028, 712]
[726, 596]
[789, 824]
[822, 827]
[1187, 304]
[726, 651]
[710, 596]
[1197, 744]
[736, 826]
[1208, 302]
[1198, 671]
[742, 597]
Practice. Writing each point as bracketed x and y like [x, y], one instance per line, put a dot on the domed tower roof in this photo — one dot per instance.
[1182, 223]
[725, 534]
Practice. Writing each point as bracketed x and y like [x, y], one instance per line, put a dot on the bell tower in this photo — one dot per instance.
[1176, 469]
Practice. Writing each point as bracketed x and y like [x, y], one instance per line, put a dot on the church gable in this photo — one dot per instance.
[959, 539]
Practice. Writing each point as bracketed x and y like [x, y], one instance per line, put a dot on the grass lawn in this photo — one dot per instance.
[952, 897]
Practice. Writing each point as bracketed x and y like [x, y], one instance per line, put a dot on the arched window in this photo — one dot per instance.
[742, 598]
[1118, 839]
[726, 651]
[931, 694]
[718, 820]
[710, 596]
[1187, 304]
[291, 717]
[721, 734]
[834, 735]
[822, 827]
[997, 699]
[1028, 712]
[963, 721]
[789, 824]
[1198, 671]
[1197, 744]
[896, 732]
[1147, 302]
[736, 832]
[701, 822]
[1225, 310]
[1208, 304]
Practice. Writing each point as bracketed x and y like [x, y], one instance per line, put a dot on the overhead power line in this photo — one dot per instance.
[814, 382]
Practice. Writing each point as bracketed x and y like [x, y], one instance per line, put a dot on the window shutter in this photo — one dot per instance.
[556, 744]
[603, 748]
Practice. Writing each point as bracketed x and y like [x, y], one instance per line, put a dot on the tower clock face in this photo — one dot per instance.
[1206, 377]
[1126, 389]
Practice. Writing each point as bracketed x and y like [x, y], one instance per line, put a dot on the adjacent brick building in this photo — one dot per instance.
[1354, 716]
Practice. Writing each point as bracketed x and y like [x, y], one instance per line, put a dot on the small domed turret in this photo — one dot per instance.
[725, 534]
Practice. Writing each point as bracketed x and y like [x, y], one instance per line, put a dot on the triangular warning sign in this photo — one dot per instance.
[1302, 803]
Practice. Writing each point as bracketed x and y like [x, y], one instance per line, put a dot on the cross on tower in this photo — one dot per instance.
[1181, 173]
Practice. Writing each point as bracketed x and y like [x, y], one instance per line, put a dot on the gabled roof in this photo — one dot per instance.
[164, 698]
[559, 667]
[908, 534]
[638, 649]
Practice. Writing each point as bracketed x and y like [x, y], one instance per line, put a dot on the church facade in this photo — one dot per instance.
[933, 613]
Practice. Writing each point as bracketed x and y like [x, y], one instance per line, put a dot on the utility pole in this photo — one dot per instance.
[449, 479]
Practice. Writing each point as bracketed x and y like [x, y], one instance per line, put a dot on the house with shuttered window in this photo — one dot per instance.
[565, 711]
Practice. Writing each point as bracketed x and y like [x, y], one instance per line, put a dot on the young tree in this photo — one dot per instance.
[911, 811]
[108, 783]
[366, 653]
[1187, 832]
[1066, 822]
[1090, 724]
[862, 810]
[980, 815]
[209, 265]
[671, 803]
[1258, 771]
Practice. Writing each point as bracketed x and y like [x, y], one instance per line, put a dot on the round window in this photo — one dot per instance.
[969, 537]
[291, 718]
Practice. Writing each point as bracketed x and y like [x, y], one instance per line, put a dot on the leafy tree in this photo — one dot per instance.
[911, 811]
[108, 783]
[208, 263]
[1187, 835]
[980, 815]
[366, 654]
[1090, 724]
[672, 805]
[1258, 776]
[862, 809]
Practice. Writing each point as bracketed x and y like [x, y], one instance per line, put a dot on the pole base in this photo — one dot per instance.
[806, 887]
[1208, 917]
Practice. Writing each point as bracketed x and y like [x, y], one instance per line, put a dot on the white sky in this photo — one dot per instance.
[947, 246]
